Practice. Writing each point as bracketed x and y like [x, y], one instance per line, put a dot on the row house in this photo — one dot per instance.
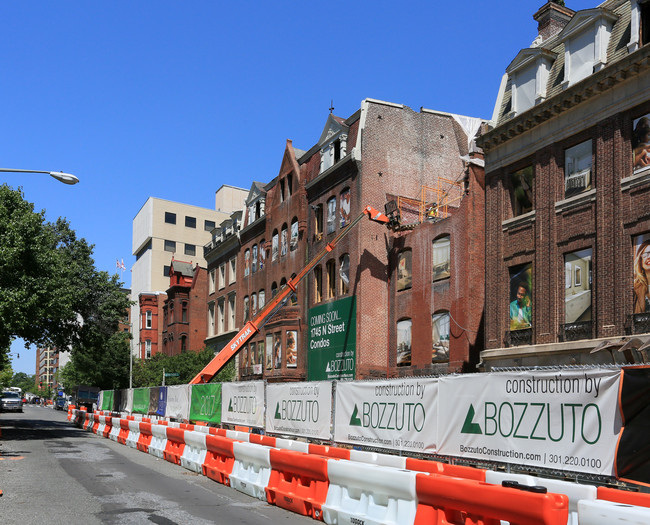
[382, 303]
[568, 192]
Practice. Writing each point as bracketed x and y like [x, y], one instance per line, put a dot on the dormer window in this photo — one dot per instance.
[639, 24]
[529, 73]
[585, 39]
[333, 151]
[282, 190]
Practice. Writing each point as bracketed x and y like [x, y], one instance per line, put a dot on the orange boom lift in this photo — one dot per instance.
[253, 326]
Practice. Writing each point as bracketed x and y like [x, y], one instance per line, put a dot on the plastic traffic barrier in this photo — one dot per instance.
[291, 444]
[330, 452]
[640, 499]
[374, 458]
[219, 459]
[599, 512]
[88, 422]
[237, 435]
[447, 500]
[115, 429]
[251, 470]
[175, 445]
[95, 424]
[144, 440]
[195, 451]
[369, 493]
[261, 439]
[445, 469]
[124, 431]
[298, 482]
[158, 440]
[134, 434]
[574, 491]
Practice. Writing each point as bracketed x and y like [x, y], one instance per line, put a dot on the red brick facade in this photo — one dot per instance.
[151, 323]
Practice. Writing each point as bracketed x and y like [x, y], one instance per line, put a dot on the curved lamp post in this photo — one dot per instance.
[65, 178]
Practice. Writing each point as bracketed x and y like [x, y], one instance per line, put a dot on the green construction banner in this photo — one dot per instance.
[107, 400]
[140, 401]
[332, 340]
[205, 403]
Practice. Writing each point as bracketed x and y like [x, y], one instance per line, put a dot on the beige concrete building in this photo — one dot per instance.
[164, 230]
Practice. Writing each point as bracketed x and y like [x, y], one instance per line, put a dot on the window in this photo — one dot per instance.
[170, 246]
[404, 342]
[404, 270]
[330, 269]
[293, 242]
[521, 191]
[254, 259]
[345, 207]
[292, 348]
[232, 270]
[577, 286]
[171, 313]
[221, 316]
[645, 23]
[184, 312]
[577, 169]
[170, 218]
[269, 351]
[247, 263]
[208, 226]
[274, 246]
[246, 308]
[521, 303]
[282, 190]
[331, 215]
[222, 276]
[277, 350]
[274, 289]
[441, 254]
[166, 270]
[262, 254]
[344, 274]
[251, 214]
[190, 222]
[147, 349]
[290, 184]
[641, 143]
[253, 304]
[148, 319]
[440, 350]
[183, 344]
[318, 284]
[318, 221]
[212, 281]
[261, 299]
[283, 241]
[190, 249]
[231, 312]
[211, 319]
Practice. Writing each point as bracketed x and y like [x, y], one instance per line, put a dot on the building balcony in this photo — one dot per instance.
[576, 331]
[638, 324]
[519, 337]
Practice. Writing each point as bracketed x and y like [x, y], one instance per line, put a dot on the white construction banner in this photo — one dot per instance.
[243, 403]
[178, 402]
[399, 414]
[300, 409]
[565, 420]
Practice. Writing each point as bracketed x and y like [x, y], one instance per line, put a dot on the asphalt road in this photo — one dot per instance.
[52, 472]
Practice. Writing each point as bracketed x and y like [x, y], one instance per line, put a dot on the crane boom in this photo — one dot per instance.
[252, 327]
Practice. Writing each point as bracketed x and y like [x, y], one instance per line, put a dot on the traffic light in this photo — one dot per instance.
[41, 384]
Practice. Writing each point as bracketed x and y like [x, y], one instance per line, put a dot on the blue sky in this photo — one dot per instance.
[173, 99]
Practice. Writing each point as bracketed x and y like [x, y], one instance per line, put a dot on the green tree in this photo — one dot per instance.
[5, 377]
[52, 295]
[24, 381]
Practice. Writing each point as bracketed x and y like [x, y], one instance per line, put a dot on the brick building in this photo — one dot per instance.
[384, 152]
[184, 326]
[568, 192]
[151, 323]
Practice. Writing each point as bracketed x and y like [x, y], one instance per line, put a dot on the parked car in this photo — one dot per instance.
[59, 403]
[11, 401]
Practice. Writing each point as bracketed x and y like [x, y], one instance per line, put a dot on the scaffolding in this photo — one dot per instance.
[434, 204]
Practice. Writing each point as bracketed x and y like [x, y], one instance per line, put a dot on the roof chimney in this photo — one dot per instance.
[551, 19]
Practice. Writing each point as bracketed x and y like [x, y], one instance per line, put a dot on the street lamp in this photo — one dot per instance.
[65, 178]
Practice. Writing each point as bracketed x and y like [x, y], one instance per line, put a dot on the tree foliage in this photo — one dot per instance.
[24, 381]
[149, 372]
[52, 294]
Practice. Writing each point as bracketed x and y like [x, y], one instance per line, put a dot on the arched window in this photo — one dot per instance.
[293, 243]
[246, 308]
[247, 263]
[440, 332]
[148, 319]
[344, 274]
[330, 269]
[441, 253]
[274, 289]
[404, 342]
[331, 215]
[253, 304]
[283, 241]
[404, 270]
[261, 299]
[262, 254]
[345, 207]
[184, 316]
[183, 344]
[274, 245]
[254, 258]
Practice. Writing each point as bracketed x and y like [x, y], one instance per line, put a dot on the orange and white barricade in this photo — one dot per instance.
[251, 470]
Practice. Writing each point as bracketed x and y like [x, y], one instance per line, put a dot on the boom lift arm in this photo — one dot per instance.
[252, 327]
